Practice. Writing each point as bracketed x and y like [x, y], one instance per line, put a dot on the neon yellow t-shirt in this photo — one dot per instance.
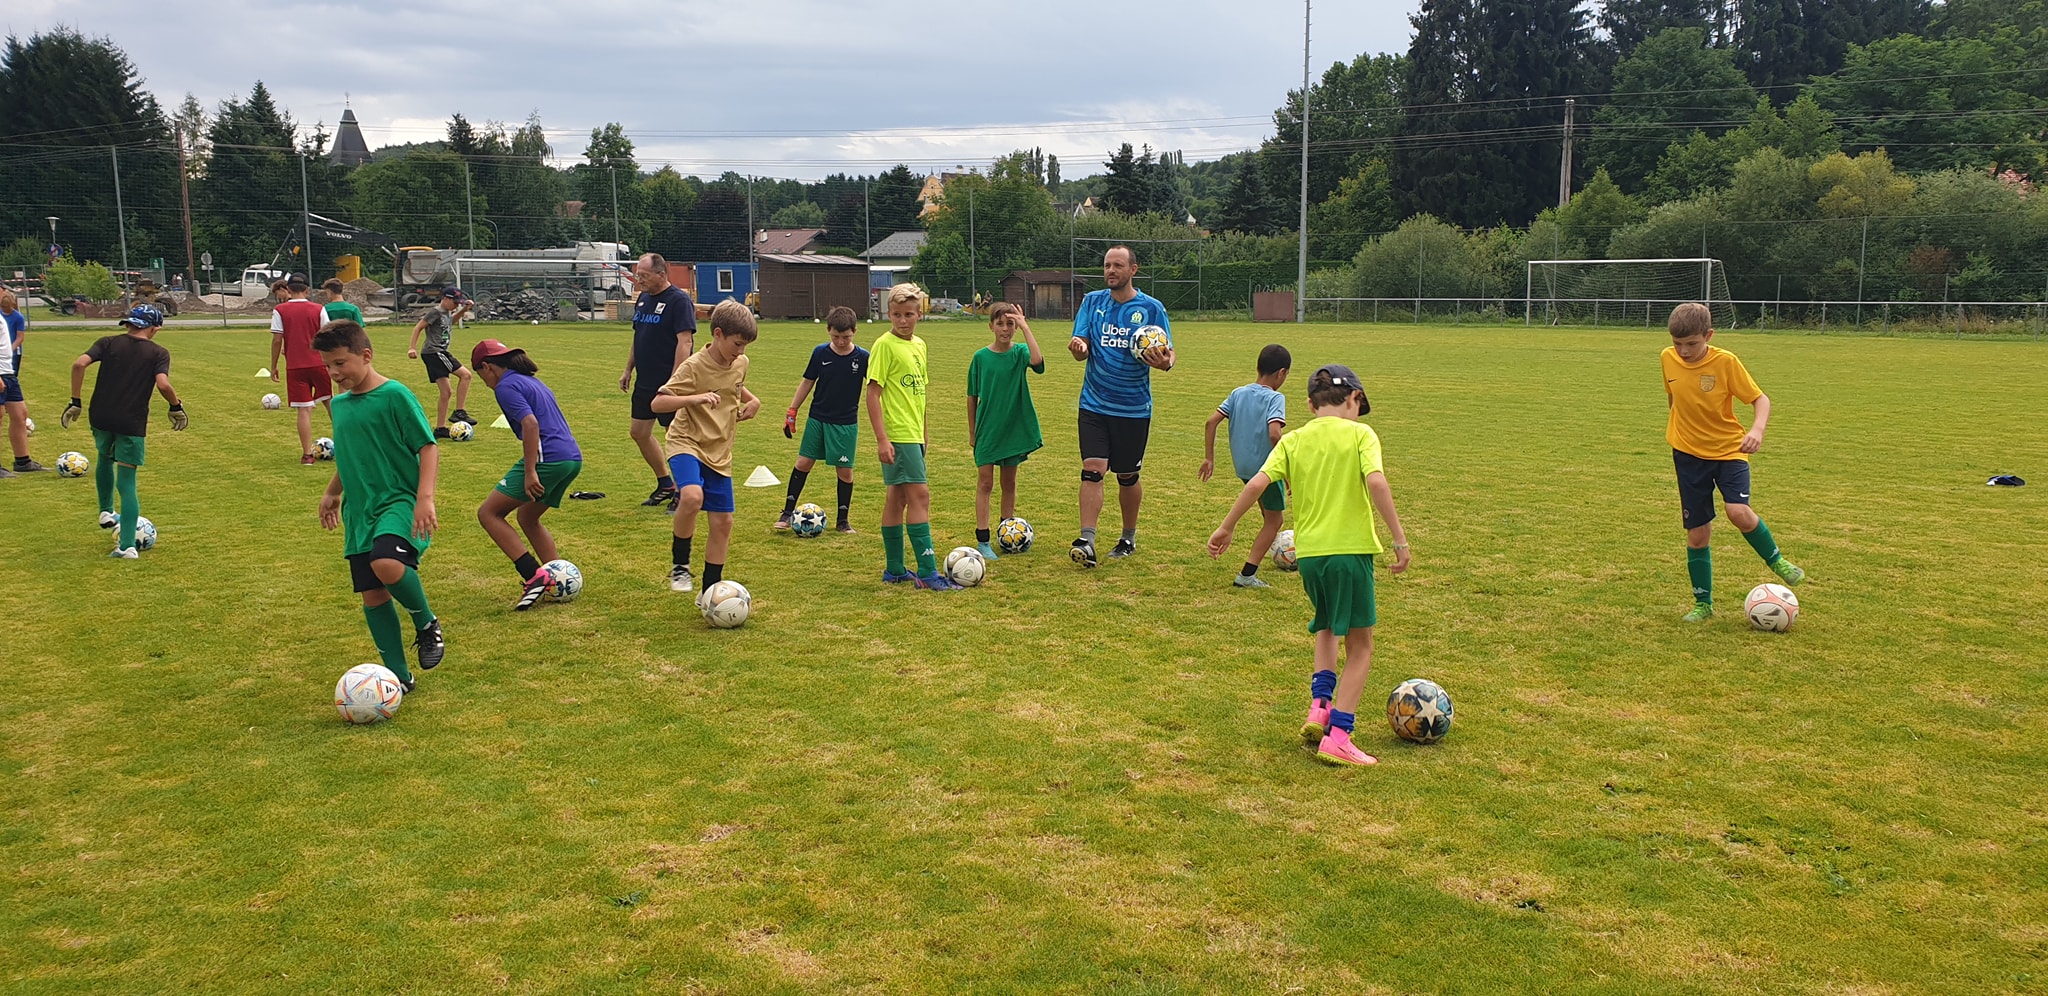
[1325, 464]
[1703, 397]
[898, 364]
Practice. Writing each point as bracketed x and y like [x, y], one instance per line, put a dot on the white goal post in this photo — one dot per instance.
[1635, 292]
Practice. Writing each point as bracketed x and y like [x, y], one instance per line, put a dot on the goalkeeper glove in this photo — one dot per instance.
[179, 420]
[789, 424]
[71, 413]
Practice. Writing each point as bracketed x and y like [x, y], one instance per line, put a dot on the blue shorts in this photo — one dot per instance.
[10, 389]
[1697, 481]
[690, 472]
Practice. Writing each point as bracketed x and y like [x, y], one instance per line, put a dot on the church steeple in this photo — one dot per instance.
[349, 147]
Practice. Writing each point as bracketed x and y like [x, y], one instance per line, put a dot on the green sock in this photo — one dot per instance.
[921, 544]
[409, 593]
[103, 478]
[892, 547]
[1760, 540]
[131, 506]
[1700, 564]
[390, 639]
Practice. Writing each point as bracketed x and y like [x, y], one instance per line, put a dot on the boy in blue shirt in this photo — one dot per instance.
[549, 462]
[839, 371]
[1257, 413]
[1116, 396]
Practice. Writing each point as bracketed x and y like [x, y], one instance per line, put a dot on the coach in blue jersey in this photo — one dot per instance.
[1116, 396]
[664, 332]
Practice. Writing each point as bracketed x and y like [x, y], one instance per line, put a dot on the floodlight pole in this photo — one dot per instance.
[1301, 252]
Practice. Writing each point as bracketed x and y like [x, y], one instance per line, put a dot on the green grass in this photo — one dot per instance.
[1060, 781]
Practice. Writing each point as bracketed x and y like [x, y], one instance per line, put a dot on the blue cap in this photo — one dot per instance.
[143, 316]
[451, 291]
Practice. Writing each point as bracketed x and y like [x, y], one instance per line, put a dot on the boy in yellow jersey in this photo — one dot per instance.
[897, 372]
[1702, 382]
[1332, 470]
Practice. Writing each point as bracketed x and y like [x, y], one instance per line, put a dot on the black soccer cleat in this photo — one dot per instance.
[1082, 553]
[1122, 549]
[407, 686]
[661, 496]
[440, 432]
[432, 648]
[458, 415]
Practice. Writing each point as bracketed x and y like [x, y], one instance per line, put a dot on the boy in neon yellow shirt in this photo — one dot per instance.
[897, 373]
[1332, 470]
[1709, 448]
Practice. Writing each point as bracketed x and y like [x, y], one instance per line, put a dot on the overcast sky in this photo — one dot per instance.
[794, 88]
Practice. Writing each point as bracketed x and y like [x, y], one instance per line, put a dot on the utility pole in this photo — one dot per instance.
[185, 203]
[614, 170]
[469, 205]
[867, 221]
[1564, 170]
[970, 240]
[121, 215]
[1301, 252]
[306, 216]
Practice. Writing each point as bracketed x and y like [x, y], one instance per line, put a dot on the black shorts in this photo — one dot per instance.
[642, 410]
[1121, 441]
[440, 364]
[384, 547]
[1697, 480]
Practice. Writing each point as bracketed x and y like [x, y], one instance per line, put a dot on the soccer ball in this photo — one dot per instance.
[567, 583]
[272, 402]
[145, 533]
[807, 521]
[29, 424]
[72, 464]
[367, 693]
[1283, 551]
[1149, 337]
[461, 432]
[965, 566]
[1419, 711]
[1771, 607]
[726, 604]
[323, 448]
[1013, 535]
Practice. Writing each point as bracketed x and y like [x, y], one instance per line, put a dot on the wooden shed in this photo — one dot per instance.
[1043, 293]
[806, 285]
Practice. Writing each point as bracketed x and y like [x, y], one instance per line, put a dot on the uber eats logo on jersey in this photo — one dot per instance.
[1116, 337]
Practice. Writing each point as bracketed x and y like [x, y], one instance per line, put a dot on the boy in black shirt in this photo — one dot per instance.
[131, 365]
[838, 371]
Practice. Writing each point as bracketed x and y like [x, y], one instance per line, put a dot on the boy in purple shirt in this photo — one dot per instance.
[550, 462]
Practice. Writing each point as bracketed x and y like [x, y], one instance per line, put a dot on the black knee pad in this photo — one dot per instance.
[1092, 476]
[1127, 480]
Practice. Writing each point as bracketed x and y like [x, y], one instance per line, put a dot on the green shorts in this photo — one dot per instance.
[555, 476]
[828, 443]
[1340, 590]
[1008, 461]
[908, 468]
[118, 448]
[1274, 498]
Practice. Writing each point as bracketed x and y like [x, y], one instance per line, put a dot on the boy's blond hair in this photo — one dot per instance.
[733, 318]
[8, 300]
[905, 292]
[1690, 319]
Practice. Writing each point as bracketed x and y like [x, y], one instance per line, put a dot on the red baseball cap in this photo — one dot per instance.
[486, 348]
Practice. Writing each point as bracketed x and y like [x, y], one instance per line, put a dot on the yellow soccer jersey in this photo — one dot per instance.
[1703, 397]
[1325, 464]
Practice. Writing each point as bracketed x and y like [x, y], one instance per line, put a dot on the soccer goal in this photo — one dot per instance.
[1634, 292]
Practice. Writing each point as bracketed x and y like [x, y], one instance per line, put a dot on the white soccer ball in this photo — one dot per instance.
[72, 464]
[323, 448]
[964, 566]
[533, 321]
[272, 402]
[461, 432]
[1013, 535]
[807, 521]
[1283, 551]
[1771, 607]
[1147, 338]
[726, 604]
[567, 583]
[29, 424]
[368, 693]
[145, 533]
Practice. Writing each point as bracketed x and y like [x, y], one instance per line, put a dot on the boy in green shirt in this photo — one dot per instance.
[1332, 469]
[338, 306]
[897, 373]
[1002, 424]
[385, 462]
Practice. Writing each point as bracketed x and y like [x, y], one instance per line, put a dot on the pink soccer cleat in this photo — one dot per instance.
[1337, 748]
[1316, 725]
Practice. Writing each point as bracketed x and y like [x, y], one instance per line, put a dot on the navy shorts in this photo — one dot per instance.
[690, 472]
[10, 389]
[643, 407]
[1697, 480]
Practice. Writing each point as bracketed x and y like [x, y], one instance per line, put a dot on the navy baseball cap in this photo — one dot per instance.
[452, 292]
[143, 316]
[1339, 375]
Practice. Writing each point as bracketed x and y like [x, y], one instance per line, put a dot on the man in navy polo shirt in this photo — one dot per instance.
[664, 333]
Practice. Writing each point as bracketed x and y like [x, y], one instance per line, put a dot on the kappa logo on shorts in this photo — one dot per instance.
[1706, 382]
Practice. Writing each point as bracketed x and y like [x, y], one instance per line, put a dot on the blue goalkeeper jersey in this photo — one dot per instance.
[1117, 383]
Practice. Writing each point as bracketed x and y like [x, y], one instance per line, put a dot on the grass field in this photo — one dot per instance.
[1060, 782]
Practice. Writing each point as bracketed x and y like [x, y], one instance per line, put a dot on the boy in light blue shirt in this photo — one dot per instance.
[1257, 413]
